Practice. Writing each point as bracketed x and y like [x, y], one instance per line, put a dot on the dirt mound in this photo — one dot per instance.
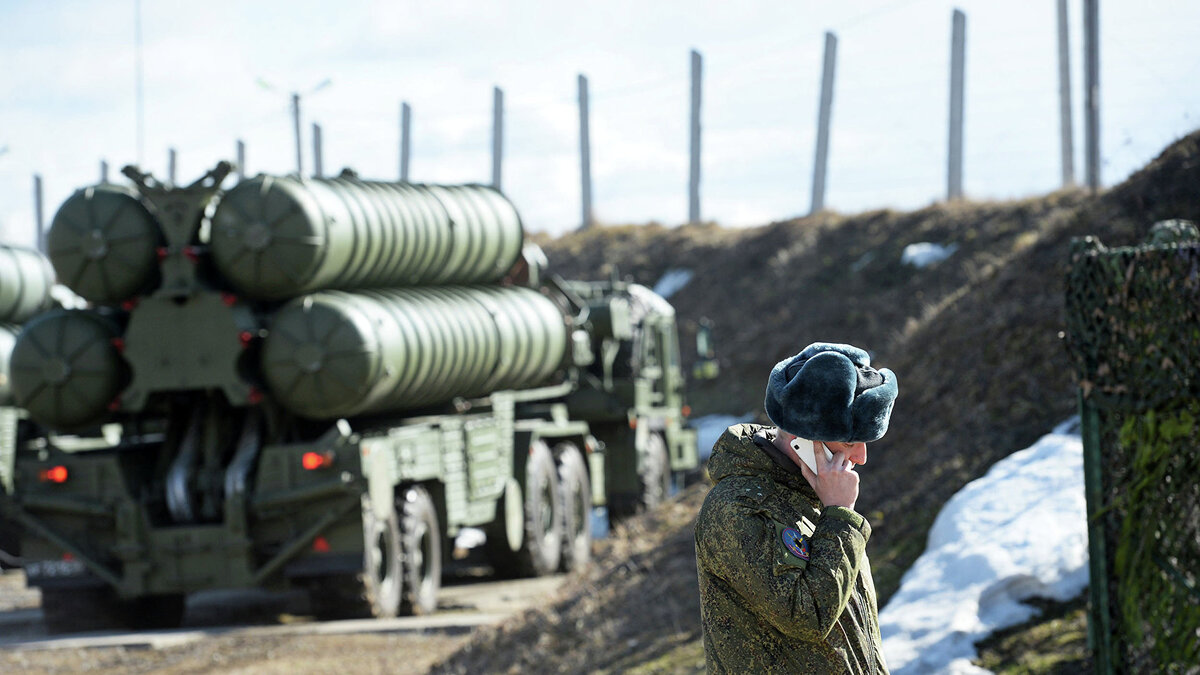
[975, 341]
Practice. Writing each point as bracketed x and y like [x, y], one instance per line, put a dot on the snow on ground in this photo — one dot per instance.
[924, 254]
[1018, 532]
[671, 281]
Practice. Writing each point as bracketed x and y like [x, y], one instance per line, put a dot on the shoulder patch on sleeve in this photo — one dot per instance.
[792, 548]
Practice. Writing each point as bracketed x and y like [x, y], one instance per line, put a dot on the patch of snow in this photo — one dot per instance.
[924, 253]
[672, 280]
[710, 427]
[1016, 533]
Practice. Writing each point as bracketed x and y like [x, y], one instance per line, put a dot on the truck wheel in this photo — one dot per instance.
[655, 472]
[382, 563]
[421, 542]
[576, 493]
[89, 609]
[541, 549]
[375, 591]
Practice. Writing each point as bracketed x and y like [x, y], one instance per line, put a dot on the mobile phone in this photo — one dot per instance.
[804, 449]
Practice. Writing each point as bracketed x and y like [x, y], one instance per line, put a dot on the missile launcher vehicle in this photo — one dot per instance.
[320, 384]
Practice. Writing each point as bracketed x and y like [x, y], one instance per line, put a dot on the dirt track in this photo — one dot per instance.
[233, 632]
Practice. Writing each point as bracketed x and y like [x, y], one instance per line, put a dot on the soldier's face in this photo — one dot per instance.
[855, 452]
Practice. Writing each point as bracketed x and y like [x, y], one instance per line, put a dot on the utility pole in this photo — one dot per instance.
[694, 179]
[103, 171]
[1066, 133]
[140, 96]
[1091, 91]
[585, 154]
[296, 125]
[318, 171]
[821, 161]
[37, 213]
[497, 135]
[405, 143]
[171, 165]
[957, 68]
[241, 160]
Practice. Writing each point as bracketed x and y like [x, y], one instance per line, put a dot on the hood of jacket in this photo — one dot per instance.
[739, 453]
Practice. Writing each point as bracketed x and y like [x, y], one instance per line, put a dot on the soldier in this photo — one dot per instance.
[785, 586]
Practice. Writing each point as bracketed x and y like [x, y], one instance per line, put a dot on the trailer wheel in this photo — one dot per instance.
[375, 591]
[88, 609]
[421, 543]
[576, 495]
[541, 549]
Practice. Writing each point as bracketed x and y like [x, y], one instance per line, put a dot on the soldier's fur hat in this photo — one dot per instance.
[830, 392]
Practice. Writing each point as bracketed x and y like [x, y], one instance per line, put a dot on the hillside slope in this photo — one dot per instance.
[975, 342]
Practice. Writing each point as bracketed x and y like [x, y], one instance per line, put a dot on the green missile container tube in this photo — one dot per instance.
[339, 354]
[8, 338]
[66, 369]
[25, 281]
[275, 238]
[103, 243]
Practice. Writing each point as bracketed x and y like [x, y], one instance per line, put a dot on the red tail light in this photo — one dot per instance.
[320, 545]
[316, 460]
[55, 474]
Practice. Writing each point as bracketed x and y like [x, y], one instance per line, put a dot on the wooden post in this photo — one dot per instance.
[957, 63]
[585, 154]
[37, 213]
[1091, 89]
[822, 157]
[103, 171]
[171, 165]
[241, 160]
[318, 171]
[405, 127]
[1066, 132]
[694, 179]
[497, 135]
[296, 126]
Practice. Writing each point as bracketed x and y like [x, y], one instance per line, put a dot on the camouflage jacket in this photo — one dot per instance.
[785, 586]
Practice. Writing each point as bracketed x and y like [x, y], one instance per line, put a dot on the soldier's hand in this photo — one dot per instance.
[835, 481]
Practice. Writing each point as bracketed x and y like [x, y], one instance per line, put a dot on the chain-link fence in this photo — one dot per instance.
[1133, 316]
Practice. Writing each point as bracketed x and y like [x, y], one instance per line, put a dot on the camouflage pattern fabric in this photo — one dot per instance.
[785, 586]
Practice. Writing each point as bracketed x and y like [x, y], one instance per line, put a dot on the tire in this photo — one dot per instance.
[421, 544]
[541, 550]
[376, 590]
[91, 609]
[575, 492]
[655, 472]
[654, 481]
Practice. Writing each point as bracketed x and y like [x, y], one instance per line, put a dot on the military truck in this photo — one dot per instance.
[319, 384]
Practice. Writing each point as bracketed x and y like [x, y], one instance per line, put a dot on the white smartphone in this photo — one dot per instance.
[804, 449]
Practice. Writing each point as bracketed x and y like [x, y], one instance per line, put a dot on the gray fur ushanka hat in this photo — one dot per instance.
[830, 392]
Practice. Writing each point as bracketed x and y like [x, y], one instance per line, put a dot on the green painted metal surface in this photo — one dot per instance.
[336, 354]
[65, 368]
[25, 281]
[103, 244]
[197, 343]
[278, 237]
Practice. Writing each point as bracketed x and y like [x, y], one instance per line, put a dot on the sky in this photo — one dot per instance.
[216, 72]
